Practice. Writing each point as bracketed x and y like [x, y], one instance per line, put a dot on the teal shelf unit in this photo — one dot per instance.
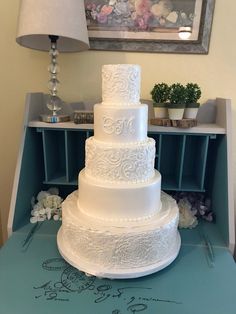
[196, 159]
[63, 155]
[181, 158]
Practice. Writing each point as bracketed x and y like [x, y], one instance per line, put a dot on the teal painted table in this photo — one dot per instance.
[35, 279]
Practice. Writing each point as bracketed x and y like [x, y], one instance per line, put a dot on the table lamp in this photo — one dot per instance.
[53, 25]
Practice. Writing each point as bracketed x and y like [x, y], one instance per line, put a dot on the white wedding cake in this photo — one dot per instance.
[119, 224]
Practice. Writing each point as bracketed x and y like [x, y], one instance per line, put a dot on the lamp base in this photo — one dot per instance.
[54, 119]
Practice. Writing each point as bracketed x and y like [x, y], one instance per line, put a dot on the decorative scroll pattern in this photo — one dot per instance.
[118, 126]
[121, 247]
[133, 162]
[121, 84]
[121, 251]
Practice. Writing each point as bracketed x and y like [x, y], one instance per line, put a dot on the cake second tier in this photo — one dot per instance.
[119, 201]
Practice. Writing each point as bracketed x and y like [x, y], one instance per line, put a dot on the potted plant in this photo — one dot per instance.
[176, 103]
[192, 95]
[160, 95]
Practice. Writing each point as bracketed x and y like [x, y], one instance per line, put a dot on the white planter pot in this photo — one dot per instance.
[190, 113]
[176, 113]
[160, 112]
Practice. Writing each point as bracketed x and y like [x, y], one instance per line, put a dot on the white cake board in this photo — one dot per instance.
[89, 268]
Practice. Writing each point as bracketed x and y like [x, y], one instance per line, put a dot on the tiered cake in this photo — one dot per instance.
[118, 224]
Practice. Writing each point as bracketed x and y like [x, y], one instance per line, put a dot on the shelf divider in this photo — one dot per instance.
[202, 171]
[181, 160]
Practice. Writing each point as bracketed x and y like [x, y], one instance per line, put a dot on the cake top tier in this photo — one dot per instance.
[121, 84]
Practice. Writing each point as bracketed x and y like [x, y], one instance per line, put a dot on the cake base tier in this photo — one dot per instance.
[115, 250]
[89, 268]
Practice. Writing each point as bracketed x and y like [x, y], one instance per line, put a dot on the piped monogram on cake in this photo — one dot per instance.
[118, 126]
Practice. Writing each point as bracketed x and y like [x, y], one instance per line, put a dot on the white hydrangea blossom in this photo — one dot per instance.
[46, 206]
[187, 218]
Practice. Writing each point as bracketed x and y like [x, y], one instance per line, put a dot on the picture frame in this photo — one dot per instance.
[155, 29]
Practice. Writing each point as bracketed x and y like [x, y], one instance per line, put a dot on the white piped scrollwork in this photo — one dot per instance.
[133, 162]
[121, 84]
[118, 126]
[121, 247]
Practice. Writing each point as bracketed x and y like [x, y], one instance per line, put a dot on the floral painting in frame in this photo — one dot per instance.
[149, 25]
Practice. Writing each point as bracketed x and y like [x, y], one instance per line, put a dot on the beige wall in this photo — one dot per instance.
[1, 240]
[23, 70]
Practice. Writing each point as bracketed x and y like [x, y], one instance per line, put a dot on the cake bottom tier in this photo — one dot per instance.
[125, 250]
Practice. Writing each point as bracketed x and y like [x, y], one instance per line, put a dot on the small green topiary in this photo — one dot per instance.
[160, 93]
[177, 96]
[192, 95]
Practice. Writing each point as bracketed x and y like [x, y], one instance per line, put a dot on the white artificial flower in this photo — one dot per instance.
[33, 220]
[37, 206]
[56, 217]
[186, 217]
[49, 216]
[52, 201]
[42, 195]
[42, 211]
[48, 206]
[35, 213]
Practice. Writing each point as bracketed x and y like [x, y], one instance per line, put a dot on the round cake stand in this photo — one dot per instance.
[89, 268]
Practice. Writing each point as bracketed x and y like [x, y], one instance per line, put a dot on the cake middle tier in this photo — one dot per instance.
[120, 124]
[116, 162]
[123, 201]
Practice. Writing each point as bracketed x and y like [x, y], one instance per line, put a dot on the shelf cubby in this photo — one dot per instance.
[75, 154]
[54, 156]
[171, 160]
[194, 165]
[64, 155]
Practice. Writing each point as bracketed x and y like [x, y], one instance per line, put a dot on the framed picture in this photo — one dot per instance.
[149, 25]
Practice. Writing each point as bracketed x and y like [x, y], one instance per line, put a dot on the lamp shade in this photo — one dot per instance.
[64, 18]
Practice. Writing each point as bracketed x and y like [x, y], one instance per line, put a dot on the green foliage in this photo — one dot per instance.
[177, 95]
[160, 93]
[192, 93]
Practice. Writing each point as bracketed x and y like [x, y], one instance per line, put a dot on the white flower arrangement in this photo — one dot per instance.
[187, 218]
[46, 206]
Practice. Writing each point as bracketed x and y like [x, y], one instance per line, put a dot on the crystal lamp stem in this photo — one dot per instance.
[54, 103]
